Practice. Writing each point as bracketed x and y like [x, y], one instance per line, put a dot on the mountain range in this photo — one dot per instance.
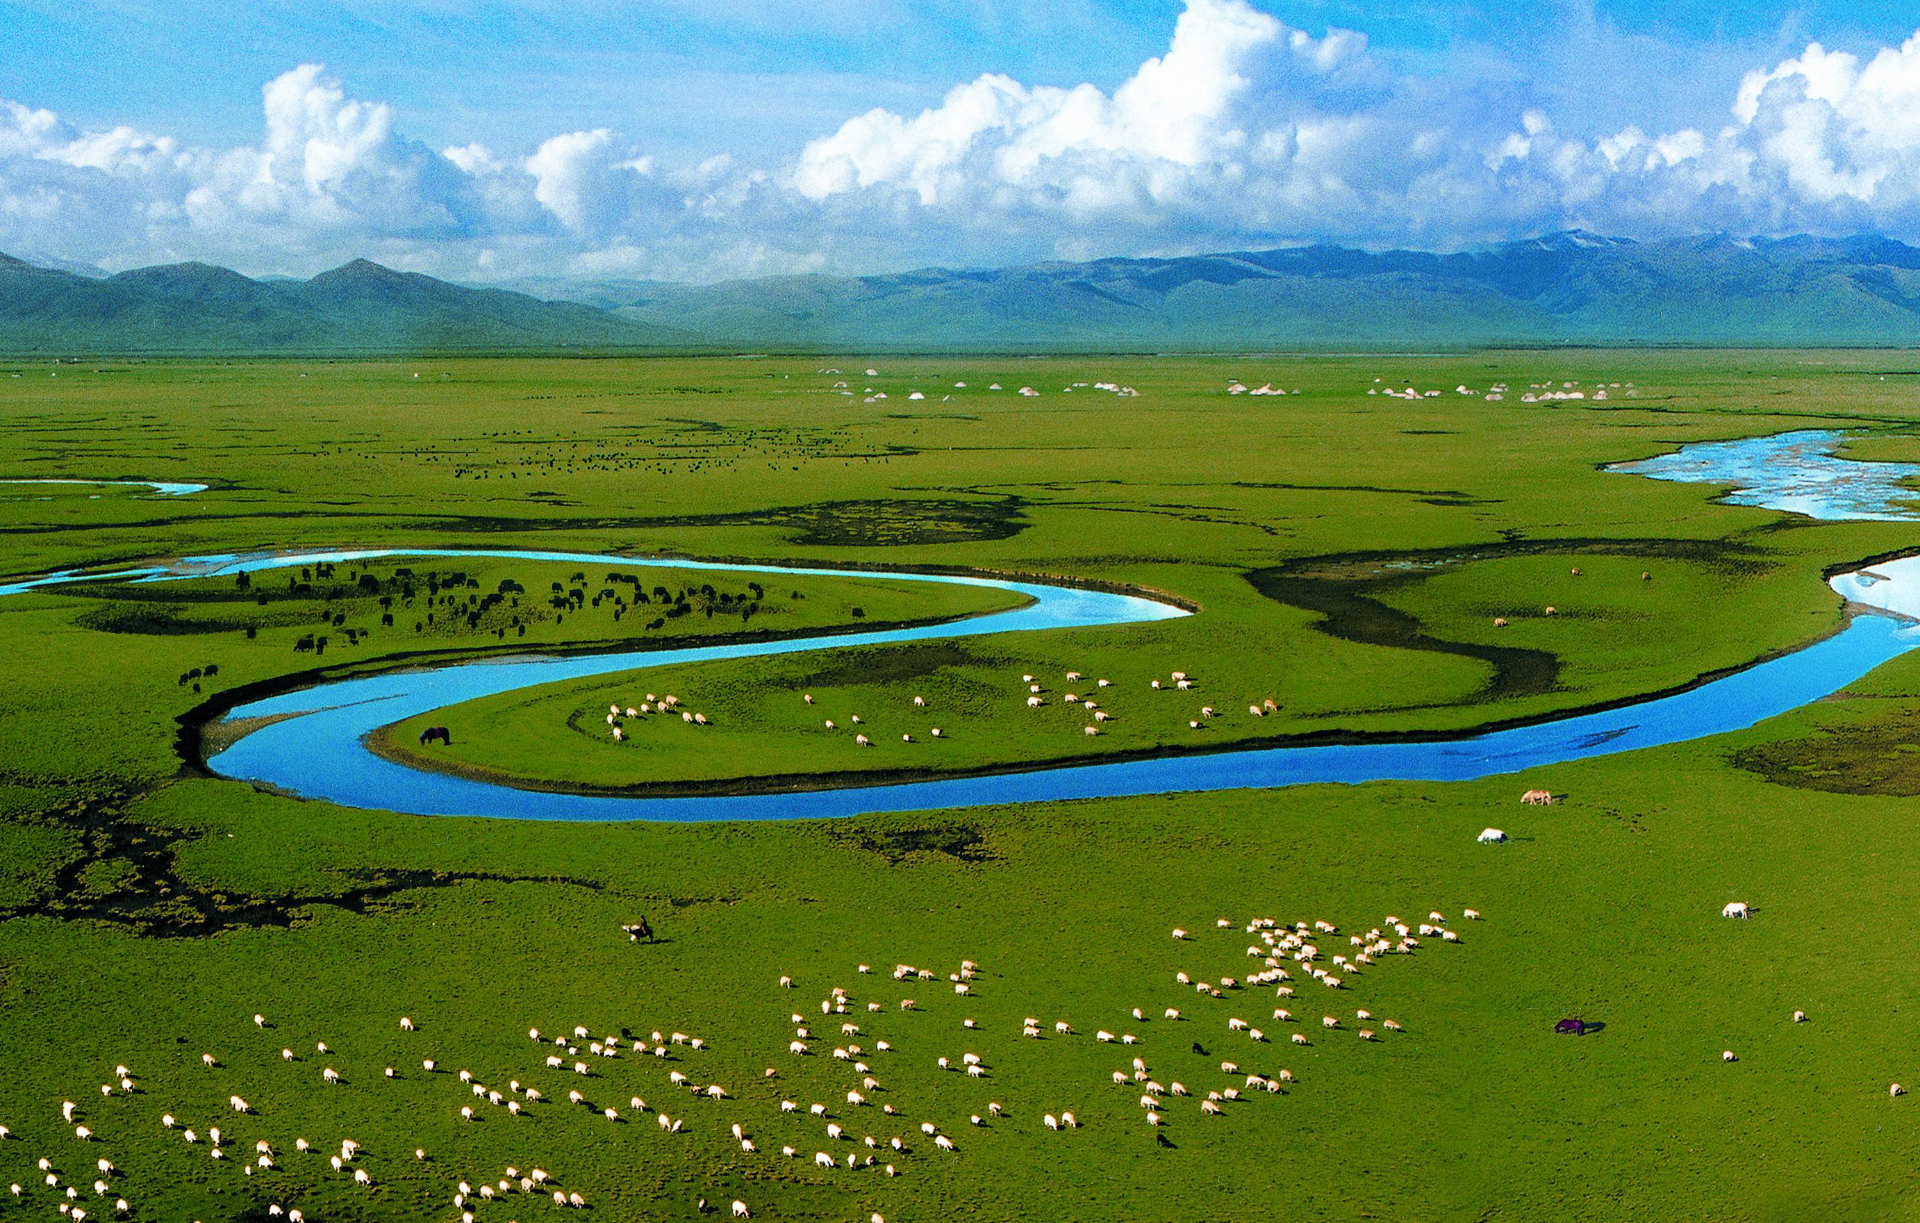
[1565, 288]
[360, 308]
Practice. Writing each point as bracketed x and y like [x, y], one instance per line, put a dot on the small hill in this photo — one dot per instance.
[360, 308]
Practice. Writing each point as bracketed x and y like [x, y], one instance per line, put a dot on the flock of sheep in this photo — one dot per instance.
[1091, 702]
[861, 1033]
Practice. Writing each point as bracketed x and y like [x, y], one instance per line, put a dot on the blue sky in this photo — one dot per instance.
[705, 138]
[687, 74]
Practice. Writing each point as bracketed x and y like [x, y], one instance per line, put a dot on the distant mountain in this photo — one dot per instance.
[193, 308]
[1564, 288]
[602, 294]
[63, 265]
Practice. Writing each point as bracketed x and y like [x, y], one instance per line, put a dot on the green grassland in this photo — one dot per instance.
[976, 693]
[1346, 555]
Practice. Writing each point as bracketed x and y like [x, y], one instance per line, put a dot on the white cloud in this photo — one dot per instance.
[584, 180]
[476, 159]
[1244, 132]
[24, 132]
[1183, 114]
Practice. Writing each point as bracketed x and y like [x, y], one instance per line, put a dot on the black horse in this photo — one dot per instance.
[1576, 1026]
[433, 733]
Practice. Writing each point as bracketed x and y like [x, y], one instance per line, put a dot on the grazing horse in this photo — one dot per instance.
[1576, 1026]
[433, 733]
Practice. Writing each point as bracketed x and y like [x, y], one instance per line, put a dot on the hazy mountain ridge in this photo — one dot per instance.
[1566, 288]
[360, 307]
[1570, 288]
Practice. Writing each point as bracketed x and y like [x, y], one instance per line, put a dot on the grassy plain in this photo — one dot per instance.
[150, 911]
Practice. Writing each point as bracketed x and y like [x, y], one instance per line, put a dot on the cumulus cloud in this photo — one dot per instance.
[584, 181]
[1245, 131]
[1182, 113]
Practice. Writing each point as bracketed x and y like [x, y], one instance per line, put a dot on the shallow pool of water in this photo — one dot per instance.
[160, 487]
[1796, 472]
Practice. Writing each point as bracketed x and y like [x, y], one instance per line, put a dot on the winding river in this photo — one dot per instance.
[310, 742]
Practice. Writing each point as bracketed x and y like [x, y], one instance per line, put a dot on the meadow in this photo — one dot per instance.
[1346, 555]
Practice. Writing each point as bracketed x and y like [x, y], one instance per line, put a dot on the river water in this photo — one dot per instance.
[315, 747]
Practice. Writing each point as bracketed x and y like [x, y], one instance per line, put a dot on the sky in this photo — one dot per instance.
[712, 139]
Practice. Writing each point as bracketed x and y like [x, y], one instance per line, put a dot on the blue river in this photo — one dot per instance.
[311, 741]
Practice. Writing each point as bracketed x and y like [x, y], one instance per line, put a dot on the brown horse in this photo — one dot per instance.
[433, 733]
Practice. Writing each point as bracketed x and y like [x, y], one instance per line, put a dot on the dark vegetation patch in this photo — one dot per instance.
[124, 873]
[886, 524]
[889, 665]
[1342, 589]
[1349, 612]
[1449, 497]
[159, 621]
[839, 524]
[833, 524]
[896, 843]
[1877, 755]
